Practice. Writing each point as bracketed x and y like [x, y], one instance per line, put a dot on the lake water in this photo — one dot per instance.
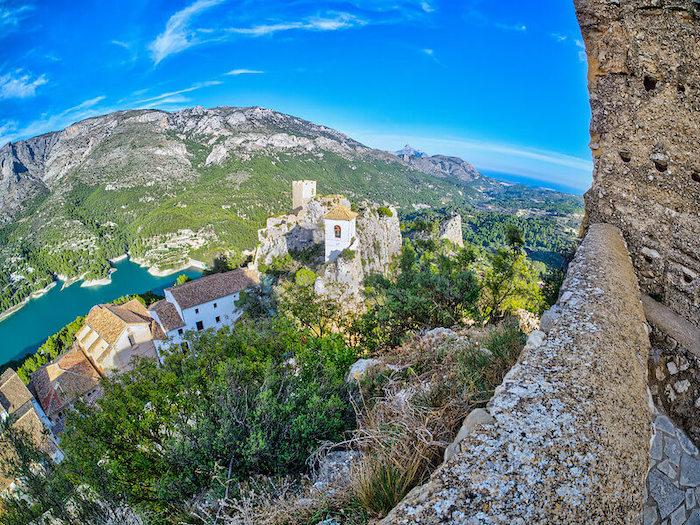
[25, 330]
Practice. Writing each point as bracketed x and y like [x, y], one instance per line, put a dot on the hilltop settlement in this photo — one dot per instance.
[114, 336]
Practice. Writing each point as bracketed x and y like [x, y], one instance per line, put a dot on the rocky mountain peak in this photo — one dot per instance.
[407, 153]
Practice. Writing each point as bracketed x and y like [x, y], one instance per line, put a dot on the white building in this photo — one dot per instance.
[302, 192]
[340, 231]
[207, 302]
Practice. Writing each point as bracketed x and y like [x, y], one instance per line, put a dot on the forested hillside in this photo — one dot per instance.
[170, 187]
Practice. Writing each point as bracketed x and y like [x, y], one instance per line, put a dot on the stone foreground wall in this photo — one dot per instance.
[569, 433]
[644, 80]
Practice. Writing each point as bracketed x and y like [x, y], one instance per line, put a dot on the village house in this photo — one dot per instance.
[20, 410]
[58, 385]
[207, 302]
[113, 335]
[340, 231]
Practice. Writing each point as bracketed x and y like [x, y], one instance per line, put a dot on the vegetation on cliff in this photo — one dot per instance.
[248, 407]
[216, 194]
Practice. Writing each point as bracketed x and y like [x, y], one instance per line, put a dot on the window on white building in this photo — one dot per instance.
[218, 319]
[337, 231]
[200, 325]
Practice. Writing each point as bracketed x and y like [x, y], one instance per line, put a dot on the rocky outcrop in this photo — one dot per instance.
[644, 81]
[571, 422]
[379, 234]
[451, 230]
[439, 165]
[378, 244]
[294, 232]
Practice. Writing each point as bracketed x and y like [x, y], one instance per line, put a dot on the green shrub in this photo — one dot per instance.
[305, 277]
[155, 440]
[182, 279]
[347, 254]
[383, 211]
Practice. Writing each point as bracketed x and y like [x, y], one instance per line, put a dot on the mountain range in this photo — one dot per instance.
[170, 187]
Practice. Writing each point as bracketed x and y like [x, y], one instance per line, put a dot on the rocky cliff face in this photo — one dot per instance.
[644, 81]
[439, 165]
[380, 238]
[135, 148]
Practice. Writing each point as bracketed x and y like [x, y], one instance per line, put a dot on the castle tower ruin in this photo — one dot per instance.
[302, 192]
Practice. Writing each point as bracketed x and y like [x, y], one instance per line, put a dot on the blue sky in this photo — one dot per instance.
[499, 83]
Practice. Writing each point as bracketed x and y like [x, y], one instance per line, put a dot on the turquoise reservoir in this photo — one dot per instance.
[25, 330]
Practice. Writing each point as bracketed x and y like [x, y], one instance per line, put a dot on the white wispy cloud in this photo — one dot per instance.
[178, 35]
[120, 43]
[427, 7]
[237, 72]
[520, 28]
[558, 37]
[12, 13]
[334, 22]
[52, 122]
[429, 51]
[19, 84]
[258, 19]
[541, 164]
[581, 51]
[158, 99]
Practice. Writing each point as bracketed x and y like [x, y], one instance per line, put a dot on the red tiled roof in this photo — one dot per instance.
[212, 287]
[13, 393]
[60, 383]
[167, 313]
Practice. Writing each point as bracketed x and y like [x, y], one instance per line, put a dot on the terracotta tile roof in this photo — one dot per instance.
[136, 307]
[157, 331]
[13, 393]
[168, 315]
[27, 421]
[110, 320]
[125, 359]
[60, 383]
[212, 287]
[340, 213]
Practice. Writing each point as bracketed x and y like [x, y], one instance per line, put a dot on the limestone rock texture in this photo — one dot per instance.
[572, 420]
[644, 82]
[378, 244]
[380, 238]
[451, 229]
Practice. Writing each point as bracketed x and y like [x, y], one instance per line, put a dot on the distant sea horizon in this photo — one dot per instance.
[532, 182]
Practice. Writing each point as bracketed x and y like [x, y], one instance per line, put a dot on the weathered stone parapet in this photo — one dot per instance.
[571, 426]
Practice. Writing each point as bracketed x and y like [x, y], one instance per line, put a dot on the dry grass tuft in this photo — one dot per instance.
[407, 418]
[407, 415]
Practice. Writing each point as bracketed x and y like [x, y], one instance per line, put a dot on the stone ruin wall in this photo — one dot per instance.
[644, 81]
[573, 435]
[565, 438]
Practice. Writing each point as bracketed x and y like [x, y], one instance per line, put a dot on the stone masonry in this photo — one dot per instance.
[567, 433]
[673, 485]
[644, 81]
